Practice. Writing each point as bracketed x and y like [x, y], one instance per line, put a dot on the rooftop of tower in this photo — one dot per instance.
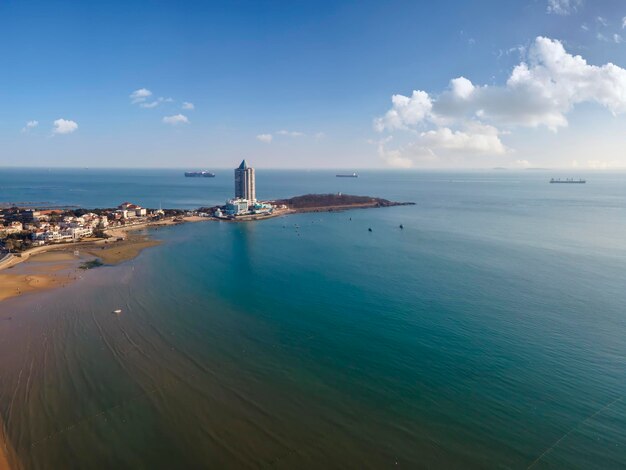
[243, 165]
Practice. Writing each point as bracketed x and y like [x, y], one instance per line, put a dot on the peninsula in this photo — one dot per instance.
[245, 206]
[334, 202]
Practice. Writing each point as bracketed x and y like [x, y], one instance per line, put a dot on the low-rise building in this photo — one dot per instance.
[236, 206]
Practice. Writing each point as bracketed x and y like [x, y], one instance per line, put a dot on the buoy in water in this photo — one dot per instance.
[369, 229]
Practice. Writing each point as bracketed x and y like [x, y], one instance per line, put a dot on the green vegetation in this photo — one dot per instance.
[94, 263]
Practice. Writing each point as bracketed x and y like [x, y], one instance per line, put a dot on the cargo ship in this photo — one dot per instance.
[347, 175]
[206, 174]
[568, 180]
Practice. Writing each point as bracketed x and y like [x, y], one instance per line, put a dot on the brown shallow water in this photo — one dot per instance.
[58, 267]
[322, 345]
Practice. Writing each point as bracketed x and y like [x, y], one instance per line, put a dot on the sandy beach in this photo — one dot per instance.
[60, 264]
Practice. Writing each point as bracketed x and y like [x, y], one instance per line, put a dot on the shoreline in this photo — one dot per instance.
[125, 246]
[57, 267]
[117, 232]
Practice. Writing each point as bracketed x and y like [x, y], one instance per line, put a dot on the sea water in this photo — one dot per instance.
[488, 332]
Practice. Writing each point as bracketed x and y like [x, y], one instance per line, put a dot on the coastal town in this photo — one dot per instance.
[23, 228]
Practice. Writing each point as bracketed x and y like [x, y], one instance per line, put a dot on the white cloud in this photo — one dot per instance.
[290, 133]
[188, 106]
[176, 119]
[64, 126]
[540, 91]
[624, 22]
[140, 95]
[405, 156]
[563, 7]
[30, 125]
[584, 27]
[265, 138]
[601, 20]
[149, 104]
[144, 103]
[475, 139]
[405, 111]
[601, 37]
[320, 135]
[522, 163]
[617, 39]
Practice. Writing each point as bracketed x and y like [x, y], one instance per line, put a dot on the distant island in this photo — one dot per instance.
[331, 202]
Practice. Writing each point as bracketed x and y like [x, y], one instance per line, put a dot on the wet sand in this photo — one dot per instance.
[51, 269]
[118, 252]
[12, 285]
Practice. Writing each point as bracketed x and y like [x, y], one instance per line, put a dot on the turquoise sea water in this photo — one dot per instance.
[487, 333]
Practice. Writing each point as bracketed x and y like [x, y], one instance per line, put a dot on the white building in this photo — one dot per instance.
[245, 185]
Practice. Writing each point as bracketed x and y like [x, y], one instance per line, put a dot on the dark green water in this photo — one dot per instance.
[487, 333]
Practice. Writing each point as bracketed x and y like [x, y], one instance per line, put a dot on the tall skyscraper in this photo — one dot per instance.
[244, 183]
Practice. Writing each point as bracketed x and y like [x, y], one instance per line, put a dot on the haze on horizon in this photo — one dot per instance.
[528, 83]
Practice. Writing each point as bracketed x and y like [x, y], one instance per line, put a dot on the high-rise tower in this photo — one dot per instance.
[244, 183]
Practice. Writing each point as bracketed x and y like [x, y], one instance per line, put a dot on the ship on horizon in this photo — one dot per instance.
[347, 175]
[568, 180]
[205, 174]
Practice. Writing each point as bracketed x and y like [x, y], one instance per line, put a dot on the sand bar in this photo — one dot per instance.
[59, 265]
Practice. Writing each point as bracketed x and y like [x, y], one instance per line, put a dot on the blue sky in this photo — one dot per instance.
[310, 84]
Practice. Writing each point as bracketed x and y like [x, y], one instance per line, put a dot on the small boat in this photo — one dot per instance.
[117, 311]
[401, 227]
[568, 181]
[369, 229]
[347, 175]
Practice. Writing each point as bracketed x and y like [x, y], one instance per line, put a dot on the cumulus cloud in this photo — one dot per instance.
[474, 139]
[143, 98]
[30, 125]
[540, 91]
[404, 156]
[563, 7]
[140, 95]
[406, 111]
[265, 138]
[64, 126]
[188, 106]
[176, 119]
